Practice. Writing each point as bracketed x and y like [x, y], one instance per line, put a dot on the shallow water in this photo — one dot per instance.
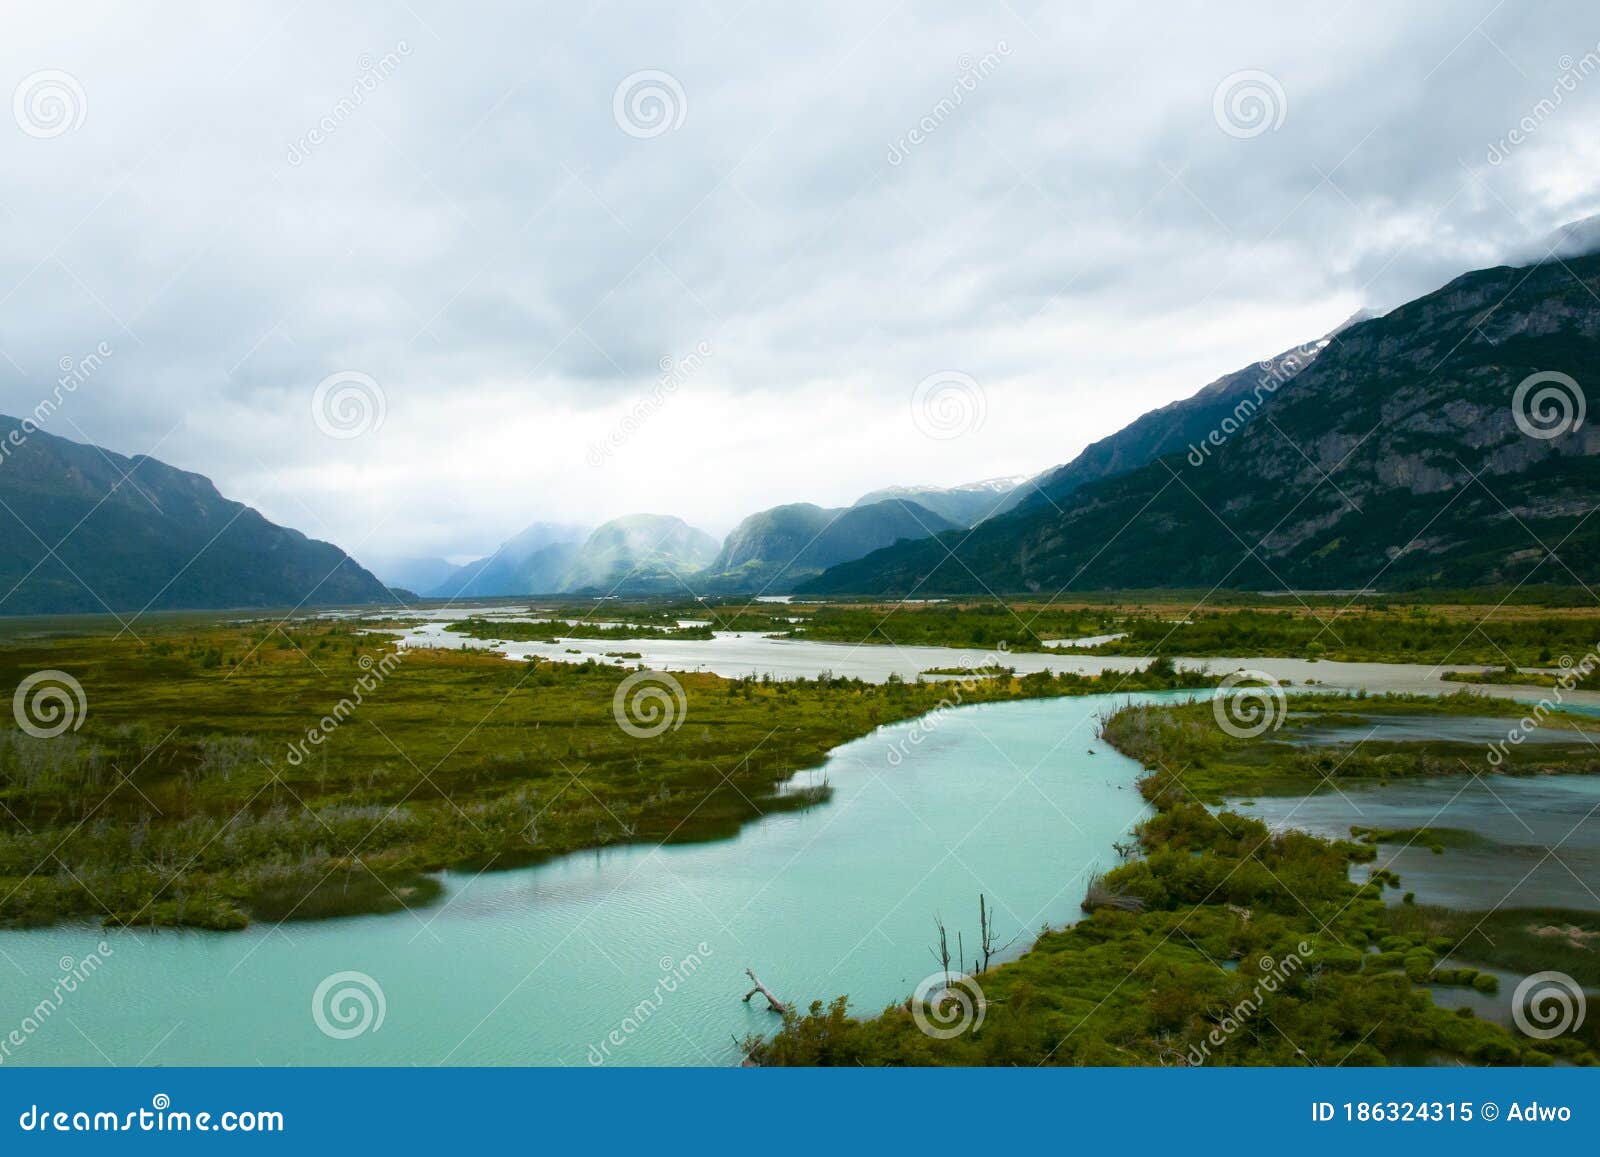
[1479, 729]
[556, 964]
[739, 654]
[1541, 836]
[541, 965]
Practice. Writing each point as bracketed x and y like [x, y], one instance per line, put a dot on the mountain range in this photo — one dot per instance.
[1441, 444]
[768, 552]
[88, 530]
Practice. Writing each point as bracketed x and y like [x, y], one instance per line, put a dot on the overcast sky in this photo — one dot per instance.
[493, 232]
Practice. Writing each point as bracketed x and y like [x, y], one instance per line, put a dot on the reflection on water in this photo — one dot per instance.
[1541, 836]
[738, 654]
[543, 965]
[1477, 729]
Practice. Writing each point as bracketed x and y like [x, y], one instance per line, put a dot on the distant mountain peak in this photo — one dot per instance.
[1578, 238]
[1400, 457]
[134, 533]
[966, 504]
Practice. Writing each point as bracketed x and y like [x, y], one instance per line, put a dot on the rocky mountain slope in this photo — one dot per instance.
[772, 550]
[964, 505]
[639, 554]
[535, 561]
[1436, 445]
[87, 530]
[1177, 426]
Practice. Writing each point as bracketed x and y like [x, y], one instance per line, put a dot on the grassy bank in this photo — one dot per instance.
[225, 773]
[1195, 759]
[1219, 942]
[554, 630]
[1352, 630]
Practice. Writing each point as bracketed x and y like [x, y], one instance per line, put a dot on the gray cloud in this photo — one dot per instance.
[438, 195]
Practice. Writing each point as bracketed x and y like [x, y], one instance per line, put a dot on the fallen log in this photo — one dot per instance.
[773, 1002]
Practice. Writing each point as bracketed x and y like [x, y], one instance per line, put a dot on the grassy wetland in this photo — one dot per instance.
[1221, 941]
[1351, 628]
[229, 772]
[1502, 637]
[225, 773]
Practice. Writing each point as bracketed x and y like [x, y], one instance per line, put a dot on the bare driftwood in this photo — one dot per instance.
[773, 1002]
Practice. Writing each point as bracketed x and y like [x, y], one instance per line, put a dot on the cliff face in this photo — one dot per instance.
[86, 530]
[1410, 452]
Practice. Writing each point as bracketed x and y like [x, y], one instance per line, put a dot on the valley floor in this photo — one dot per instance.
[1221, 940]
[216, 773]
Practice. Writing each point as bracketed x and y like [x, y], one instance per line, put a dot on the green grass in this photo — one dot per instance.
[1195, 759]
[555, 630]
[1523, 940]
[194, 793]
[1434, 838]
[1509, 675]
[1182, 957]
[1349, 629]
